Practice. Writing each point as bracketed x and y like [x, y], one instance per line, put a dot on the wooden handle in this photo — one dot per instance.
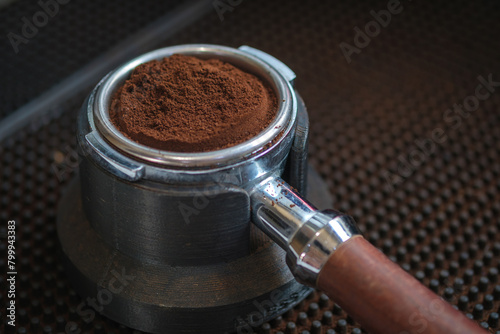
[385, 299]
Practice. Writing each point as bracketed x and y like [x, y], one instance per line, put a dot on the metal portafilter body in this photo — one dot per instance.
[141, 174]
[178, 224]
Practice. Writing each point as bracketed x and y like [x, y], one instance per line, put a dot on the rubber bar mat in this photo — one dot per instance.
[405, 131]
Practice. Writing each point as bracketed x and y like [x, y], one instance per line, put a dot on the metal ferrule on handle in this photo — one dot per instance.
[308, 235]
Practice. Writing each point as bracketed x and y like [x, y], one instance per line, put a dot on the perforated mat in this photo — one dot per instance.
[420, 175]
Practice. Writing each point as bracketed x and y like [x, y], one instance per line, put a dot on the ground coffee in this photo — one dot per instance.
[186, 104]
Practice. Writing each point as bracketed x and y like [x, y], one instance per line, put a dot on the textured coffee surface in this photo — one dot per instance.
[440, 223]
[186, 104]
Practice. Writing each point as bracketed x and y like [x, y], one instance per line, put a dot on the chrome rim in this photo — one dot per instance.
[279, 128]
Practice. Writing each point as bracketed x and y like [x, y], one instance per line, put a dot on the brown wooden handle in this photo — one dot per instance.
[385, 299]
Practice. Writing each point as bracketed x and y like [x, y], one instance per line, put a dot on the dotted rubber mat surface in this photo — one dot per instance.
[420, 175]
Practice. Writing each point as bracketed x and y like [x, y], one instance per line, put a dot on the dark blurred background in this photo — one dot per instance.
[376, 100]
